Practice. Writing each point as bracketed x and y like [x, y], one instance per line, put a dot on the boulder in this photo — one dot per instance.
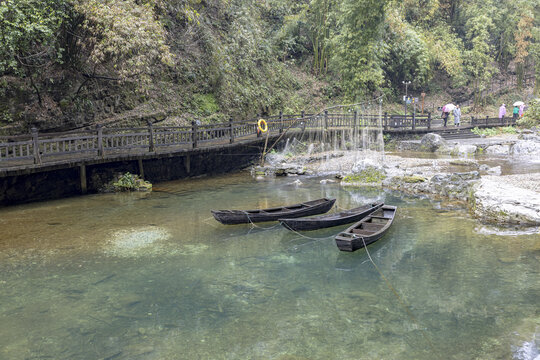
[454, 186]
[499, 201]
[464, 150]
[498, 149]
[526, 147]
[432, 142]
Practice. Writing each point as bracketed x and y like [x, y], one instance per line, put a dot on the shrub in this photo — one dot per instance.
[531, 117]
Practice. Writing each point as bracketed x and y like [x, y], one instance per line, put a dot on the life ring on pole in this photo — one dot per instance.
[262, 125]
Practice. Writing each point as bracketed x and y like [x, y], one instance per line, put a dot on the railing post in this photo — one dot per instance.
[35, 142]
[259, 133]
[487, 120]
[151, 146]
[281, 122]
[355, 125]
[231, 129]
[429, 120]
[385, 120]
[325, 119]
[413, 121]
[472, 120]
[194, 134]
[100, 140]
[303, 114]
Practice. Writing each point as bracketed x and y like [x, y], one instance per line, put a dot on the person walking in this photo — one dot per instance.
[457, 115]
[502, 112]
[521, 110]
[444, 115]
[515, 113]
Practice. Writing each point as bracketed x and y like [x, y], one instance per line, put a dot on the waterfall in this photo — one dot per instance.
[344, 144]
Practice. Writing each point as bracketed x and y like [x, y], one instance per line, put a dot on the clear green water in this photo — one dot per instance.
[153, 276]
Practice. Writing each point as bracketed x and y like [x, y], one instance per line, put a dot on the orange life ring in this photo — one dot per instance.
[262, 125]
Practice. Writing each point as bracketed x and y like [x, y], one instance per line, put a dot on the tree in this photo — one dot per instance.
[121, 40]
[478, 58]
[359, 46]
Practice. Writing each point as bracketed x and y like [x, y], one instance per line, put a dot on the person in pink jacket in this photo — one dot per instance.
[521, 108]
[502, 111]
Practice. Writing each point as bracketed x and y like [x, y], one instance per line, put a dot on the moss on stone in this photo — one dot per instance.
[367, 176]
[413, 179]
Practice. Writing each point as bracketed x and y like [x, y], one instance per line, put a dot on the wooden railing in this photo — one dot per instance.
[102, 141]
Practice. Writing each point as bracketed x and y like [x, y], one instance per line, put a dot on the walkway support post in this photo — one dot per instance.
[355, 126]
[231, 130]
[325, 119]
[193, 134]
[429, 120]
[100, 140]
[35, 143]
[82, 173]
[487, 120]
[385, 121]
[280, 121]
[151, 146]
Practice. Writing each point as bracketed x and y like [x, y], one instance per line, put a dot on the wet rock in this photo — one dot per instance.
[484, 168]
[498, 149]
[327, 181]
[296, 183]
[497, 200]
[465, 163]
[526, 147]
[494, 170]
[464, 150]
[432, 142]
[290, 170]
[453, 186]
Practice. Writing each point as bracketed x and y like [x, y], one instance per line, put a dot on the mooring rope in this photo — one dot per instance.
[258, 226]
[401, 301]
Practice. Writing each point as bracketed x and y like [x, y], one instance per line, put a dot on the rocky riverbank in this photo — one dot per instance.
[478, 173]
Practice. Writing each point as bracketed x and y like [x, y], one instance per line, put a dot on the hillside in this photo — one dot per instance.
[76, 63]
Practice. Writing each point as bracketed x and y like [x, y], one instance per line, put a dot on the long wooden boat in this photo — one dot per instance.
[367, 230]
[314, 207]
[326, 221]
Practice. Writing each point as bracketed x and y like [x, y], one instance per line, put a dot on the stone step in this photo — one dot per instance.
[458, 134]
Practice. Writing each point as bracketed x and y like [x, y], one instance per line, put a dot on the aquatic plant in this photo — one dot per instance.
[131, 182]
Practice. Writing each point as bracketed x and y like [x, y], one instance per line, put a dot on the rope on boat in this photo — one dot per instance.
[257, 226]
[309, 237]
[401, 301]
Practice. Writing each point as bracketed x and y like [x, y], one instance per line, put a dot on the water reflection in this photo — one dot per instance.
[153, 276]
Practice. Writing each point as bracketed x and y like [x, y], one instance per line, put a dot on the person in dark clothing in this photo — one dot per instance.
[445, 116]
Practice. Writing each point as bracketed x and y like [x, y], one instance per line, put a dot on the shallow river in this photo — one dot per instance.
[153, 276]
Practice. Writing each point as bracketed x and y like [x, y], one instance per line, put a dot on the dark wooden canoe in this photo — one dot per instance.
[314, 207]
[367, 230]
[326, 221]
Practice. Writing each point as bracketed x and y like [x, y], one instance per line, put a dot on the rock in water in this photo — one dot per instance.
[432, 142]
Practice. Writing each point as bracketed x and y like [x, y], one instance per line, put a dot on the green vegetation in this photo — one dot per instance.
[130, 182]
[494, 131]
[80, 61]
[413, 179]
[369, 175]
[532, 116]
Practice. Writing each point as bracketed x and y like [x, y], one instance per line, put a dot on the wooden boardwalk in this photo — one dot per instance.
[39, 152]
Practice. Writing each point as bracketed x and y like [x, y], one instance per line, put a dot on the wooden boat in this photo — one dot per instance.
[314, 207]
[326, 221]
[367, 230]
